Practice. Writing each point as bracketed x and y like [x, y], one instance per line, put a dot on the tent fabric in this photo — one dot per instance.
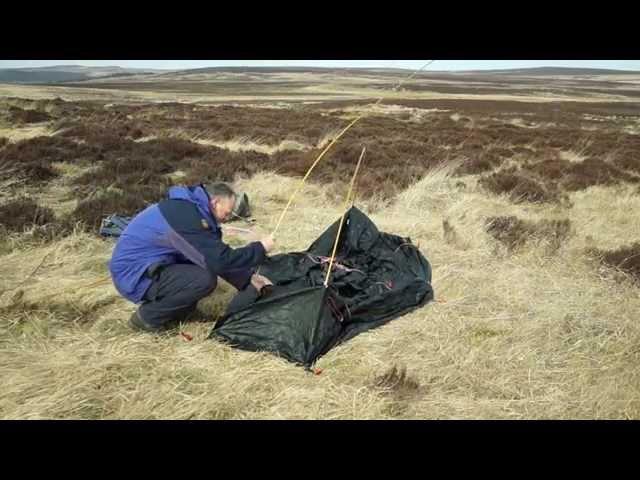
[376, 277]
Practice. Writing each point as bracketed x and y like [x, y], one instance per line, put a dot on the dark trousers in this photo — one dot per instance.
[176, 290]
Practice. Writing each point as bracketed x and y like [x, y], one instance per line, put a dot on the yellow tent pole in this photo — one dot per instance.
[407, 79]
[344, 212]
[301, 184]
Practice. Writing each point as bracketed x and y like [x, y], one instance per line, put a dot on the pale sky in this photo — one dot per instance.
[438, 65]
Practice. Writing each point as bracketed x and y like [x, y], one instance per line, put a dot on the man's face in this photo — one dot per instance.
[222, 207]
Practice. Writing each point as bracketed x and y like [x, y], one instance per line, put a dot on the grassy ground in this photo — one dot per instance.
[526, 323]
[520, 335]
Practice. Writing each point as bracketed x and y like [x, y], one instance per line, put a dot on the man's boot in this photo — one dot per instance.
[137, 323]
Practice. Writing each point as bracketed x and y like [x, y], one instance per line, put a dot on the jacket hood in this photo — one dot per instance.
[196, 195]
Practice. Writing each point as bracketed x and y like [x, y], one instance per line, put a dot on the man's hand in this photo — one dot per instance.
[268, 243]
[259, 281]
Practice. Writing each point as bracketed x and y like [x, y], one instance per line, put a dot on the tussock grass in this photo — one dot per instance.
[544, 330]
[23, 212]
[523, 334]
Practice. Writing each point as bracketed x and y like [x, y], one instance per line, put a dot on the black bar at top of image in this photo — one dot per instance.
[322, 36]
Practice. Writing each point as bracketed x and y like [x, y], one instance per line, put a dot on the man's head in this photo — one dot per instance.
[223, 199]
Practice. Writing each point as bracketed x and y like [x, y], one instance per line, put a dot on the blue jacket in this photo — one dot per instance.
[179, 229]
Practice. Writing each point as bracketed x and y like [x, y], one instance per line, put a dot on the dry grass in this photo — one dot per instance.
[249, 143]
[240, 144]
[303, 87]
[605, 217]
[512, 335]
[625, 260]
[538, 331]
[514, 232]
[15, 134]
[572, 156]
[24, 212]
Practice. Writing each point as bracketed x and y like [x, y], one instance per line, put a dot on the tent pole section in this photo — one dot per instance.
[301, 184]
[344, 212]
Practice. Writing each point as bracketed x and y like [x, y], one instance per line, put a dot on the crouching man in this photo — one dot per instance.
[171, 253]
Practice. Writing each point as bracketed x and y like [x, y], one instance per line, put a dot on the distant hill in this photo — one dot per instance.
[518, 71]
[28, 76]
[553, 71]
[264, 70]
[67, 73]
[79, 73]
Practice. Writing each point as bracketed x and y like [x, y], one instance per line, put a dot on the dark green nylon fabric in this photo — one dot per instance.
[378, 277]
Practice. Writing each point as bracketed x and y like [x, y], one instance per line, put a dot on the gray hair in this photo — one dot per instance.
[220, 189]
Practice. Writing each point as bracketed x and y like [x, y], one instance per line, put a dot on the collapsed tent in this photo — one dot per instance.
[376, 277]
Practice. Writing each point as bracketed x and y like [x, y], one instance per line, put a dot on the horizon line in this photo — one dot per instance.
[315, 67]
